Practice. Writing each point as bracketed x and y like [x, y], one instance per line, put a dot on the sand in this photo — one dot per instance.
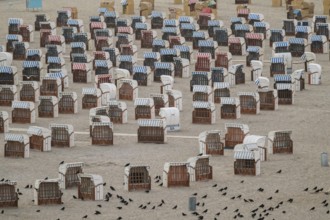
[308, 119]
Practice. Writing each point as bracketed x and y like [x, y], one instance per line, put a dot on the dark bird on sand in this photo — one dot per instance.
[205, 211]
[38, 210]
[85, 216]
[184, 214]
[242, 181]
[251, 200]
[290, 200]
[195, 194]
[97, 212]
[99, 205]
[46, 178]
[119, 207]
[224, 194]
[62, 162]
[217, 214]
[153, 207]
[175, 207]
[306, 189]
[200, 154]
[277, 191]
[225, 208]
[112, 188]
[215, 185]
[104, 184]
[280, 171]
[147, 191]
[126, 165]
[270, 198]
[204, 197]
[260, 189]
[27, 186]
[2, 211]
[313, 208]
[195, 213]
[63, 208]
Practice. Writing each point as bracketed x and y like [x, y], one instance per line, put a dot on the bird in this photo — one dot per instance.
[129, 199]
[160, 204]
[254, 210]
[175, 207]
[63, 208]
[251, 200]
[97, 212]
[112, 188]
[144, 207]
[195, 213]
[270, 198]
[161, 184]
[290, 200]
[85, 216]
[217, 214]
[260, 189]
[199, 154]
[126, 165]
[184, 214]
[119, 218]
[99, 205]
[284, 212]
[236, 210]
[253, 215]
[215, 185]
[324, 202]
[204, 197]
[62, 162]
[277, 191]
[315, 188]
[46, 178]
[225, 188]
[2, 179]
[313, 208]
[141, 206]
[205, 211]
[2, 211]
[224, 194]
[225, 208]
[242, 181]
[232, 197]
[163, 201]
[119, 207]
[27, 186]
[104, 184]
[239, 196]
[195, 194]
[38, 210]
[262, 206]
[157, 181]
[147, 191]
[153, 207]
[306, 189]
[19, 193]
[280, 171]
[328, 211]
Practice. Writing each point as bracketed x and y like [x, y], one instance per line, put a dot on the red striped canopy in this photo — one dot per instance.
[257, 36]
[234, 40]
[78, 66]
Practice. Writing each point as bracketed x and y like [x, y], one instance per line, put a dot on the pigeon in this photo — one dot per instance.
[225, 208]
[328, 211]
[195, 194]
[239, 196]
[163, 201]
[280, 171]
[184, 214]
[277, 191]
[161, 184]
[315, 188]
[200, 154]
[217, 214]
[205, 211]
[129, 199]
[313, 208]
[215, 185]
[62, 162]
[153, 207]
[38, 210]
[119, 218]
[63, 208]
[204, 197]
[19, 193]
[99, 205]
[270, 198]
[147, 191]
[283, 212]
[224, 194]
[195, 213]
[119, 207]
[175, 207]
[85, 216]
[236, 210]
[246, 200]
[232, 198]
[144, 207]
[262, 206]
[290, 200]
[27, 186]
[126, 165]
[104, 184]
[242, 181]
[46, 178]
[324, 202]
[306, 189]
[260, 189]
[112, 188]
[97, 212]
[2, 211]
[251, 200]
[160, 204]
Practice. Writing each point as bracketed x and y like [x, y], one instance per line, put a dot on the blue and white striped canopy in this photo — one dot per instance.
[186, 19]
[31, 64]
[259, 24]
[126, 58]
[78, 45]
[188, 26]
[33, 52]
[6, 69]
[277, 60]
[281, 44]
[199, 34]
[213, 23]
[303, 29]
[243, 27]
[17, 21]
[20, 104]
[151, 122]
[140, 25]
[56, 75]
[12, 37]
[73, 22]
[254, 16]
[89, 91]
[152, 55]
[140, 69]
[102, 10]
[236, 19]
[157, 14]
[168, 51]
[54, 60]
[253, 49]
[183, 48]
[124, 2]
[316, 38]
[14, 137]
[111, 14]
[122, 35]
[163, 65]
[101, 63]
[170, 22]
[199, 73]
[296, 41]
[170, 30]
[158, 42]
[206, 43]
[282, 78]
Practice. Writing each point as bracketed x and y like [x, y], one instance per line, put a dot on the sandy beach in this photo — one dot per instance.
[308, 118]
